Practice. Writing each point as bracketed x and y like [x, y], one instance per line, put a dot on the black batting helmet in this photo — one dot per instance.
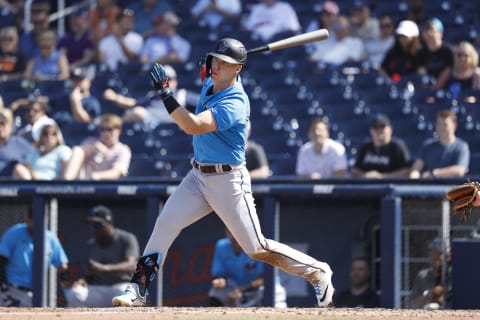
[229, 50]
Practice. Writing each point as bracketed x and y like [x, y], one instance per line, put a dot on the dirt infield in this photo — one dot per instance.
[232, 314]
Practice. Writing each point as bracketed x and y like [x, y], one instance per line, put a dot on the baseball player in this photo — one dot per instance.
[219, 180]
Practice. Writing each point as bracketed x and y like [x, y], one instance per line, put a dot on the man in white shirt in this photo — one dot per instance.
[270, 17]
[345, 48]
[212, 13]
[123, 44]
[321, 157]
[165, 46]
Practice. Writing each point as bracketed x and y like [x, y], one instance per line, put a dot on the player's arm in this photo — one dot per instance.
[190, 123]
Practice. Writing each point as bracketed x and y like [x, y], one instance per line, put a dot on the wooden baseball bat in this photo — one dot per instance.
[298, 40]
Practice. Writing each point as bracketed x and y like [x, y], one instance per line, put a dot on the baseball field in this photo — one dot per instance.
[167, 313]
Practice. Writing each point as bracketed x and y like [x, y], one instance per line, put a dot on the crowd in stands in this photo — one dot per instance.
[59, 88]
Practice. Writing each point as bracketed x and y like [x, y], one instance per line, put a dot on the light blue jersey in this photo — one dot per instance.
[227, 264]
[231, 110]
[17, 246]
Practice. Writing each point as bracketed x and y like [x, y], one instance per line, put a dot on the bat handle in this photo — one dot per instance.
[259, 49]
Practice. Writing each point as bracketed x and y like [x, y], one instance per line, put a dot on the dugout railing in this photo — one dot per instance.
[271, 192]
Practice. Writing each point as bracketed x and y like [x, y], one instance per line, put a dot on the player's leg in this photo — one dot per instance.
[234, 203]
[184, 206]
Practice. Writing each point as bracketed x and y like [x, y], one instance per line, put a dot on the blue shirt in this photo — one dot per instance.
[17, 246]
[47, 67]
[231, 110]
[436, 155]
[14, 150]
[240, 268]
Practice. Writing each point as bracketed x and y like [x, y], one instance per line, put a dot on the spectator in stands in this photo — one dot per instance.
[256, 159]
[237, 278]
[465, 73]
[111, 260]
[2, 106]
[36, 117]
[321, 157]
[85, 106]
[435, 58]
[102, 19]
[7, 15]
[150, 109]
[145, 12]
[383, 156]
[402, 58]
[362, 24]
[12, 62]
[416, 11]
[100, 158]
[16, 262]
[360, 294]
[271, 17]
[446, 156]
[122, 44]
[216, 14]
[166, 46]
[329, 12]
[13, 149]
[39, 11]
[345, 48]
[428, 291]
[376, 49]
[50, 63]
[49, 159]
[77, 44]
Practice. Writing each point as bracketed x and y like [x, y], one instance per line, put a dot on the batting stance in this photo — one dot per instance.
[219, 180]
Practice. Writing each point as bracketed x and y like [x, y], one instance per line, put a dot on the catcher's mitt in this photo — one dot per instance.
[462, 197]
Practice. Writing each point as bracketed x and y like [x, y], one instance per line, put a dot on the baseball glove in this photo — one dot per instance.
[462, 197]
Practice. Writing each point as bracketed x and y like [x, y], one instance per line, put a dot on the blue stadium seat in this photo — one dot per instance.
[145, 166]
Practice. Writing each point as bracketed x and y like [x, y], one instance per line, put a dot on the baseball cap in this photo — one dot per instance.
[360, 4]
[330, 7]
[101, 214]
[6, 116]
[380, 120]
[167, 17]
[435, 244]
[229, 50]
[407, 28]
[434, 22]
[78, 74]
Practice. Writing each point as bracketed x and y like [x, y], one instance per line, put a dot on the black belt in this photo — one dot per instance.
[211, 168]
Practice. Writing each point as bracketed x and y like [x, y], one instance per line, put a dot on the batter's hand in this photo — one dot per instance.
[160, 80]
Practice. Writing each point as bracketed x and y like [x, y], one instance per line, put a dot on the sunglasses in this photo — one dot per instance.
[6, 39]
[49, 133]
[109, 129]
[385, 25]
[378, 127]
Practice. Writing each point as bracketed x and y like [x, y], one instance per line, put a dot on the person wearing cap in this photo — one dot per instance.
[321, 157]
[166, 46]
[77, 43]
[29, 45]
[435, 59]
[49, 159]
[111, 257]
[16, 261]
[150, 109]
[219, 180]
[84, 106]
[428, 290]
[343, 48]
[327, 16]
[362, 24]
[13, 149]
[271, 17]
[103, 157]
[123, 44]
[383, 156]
[446, 155]
[402, 58]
